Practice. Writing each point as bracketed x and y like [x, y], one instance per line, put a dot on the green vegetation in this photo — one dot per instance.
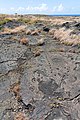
[0, 28]
[28, 20]
[23, 20]
[3, 21]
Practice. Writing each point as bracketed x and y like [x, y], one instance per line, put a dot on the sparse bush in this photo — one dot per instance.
[24, 41]
[23, 20]
[29, 20]
[19, 116]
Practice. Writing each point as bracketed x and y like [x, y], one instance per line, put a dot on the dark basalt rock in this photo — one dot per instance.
[67, 25]
[48, 88]
[77, 25]
[46, 29]
[12, 24]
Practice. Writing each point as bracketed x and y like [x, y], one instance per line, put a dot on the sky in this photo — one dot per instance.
[50, 7]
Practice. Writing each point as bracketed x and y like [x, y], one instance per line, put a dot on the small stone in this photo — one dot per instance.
[41, 41]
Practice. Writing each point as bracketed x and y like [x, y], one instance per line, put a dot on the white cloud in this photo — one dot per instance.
[42, 7]
[58, 8]
[29, 9]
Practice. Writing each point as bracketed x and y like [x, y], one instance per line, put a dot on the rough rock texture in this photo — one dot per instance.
[44, 86]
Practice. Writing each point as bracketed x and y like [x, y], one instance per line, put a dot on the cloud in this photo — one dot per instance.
[58, 8]
[29, 9]
[41, 7]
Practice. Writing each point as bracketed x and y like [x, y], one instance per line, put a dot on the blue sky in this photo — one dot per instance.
[40, 6]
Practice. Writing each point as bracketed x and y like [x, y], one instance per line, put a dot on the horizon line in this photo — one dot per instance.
[41, 14]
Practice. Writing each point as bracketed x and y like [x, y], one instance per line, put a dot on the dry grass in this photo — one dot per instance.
[66, 37]
[35, 32]
[15, 88]
[37, 53]
[51, 31]
[57, 50]
[15, 30]
[24, 41]
[20, 116]
[59, 21]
